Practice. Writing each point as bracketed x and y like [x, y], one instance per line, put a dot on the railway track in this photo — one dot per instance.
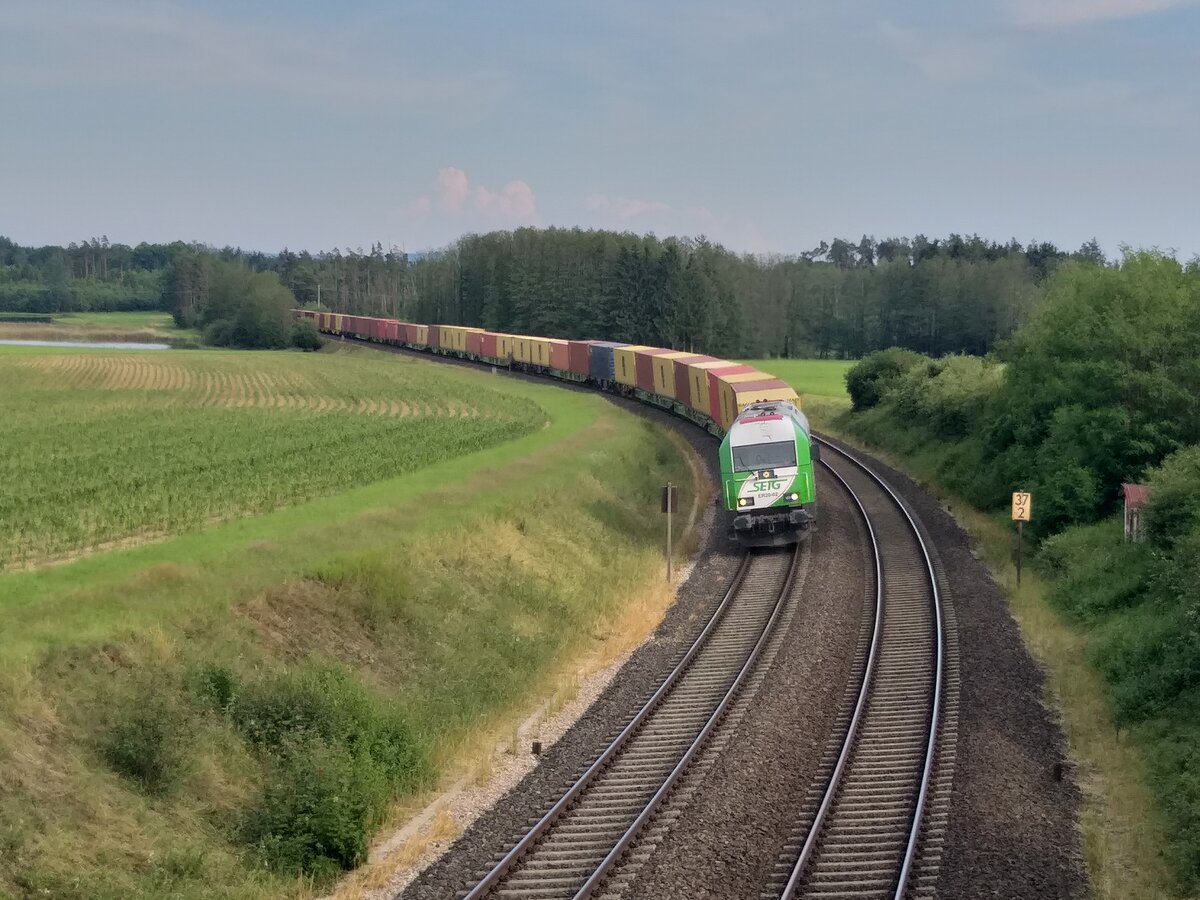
[574, 847]
[857, 836]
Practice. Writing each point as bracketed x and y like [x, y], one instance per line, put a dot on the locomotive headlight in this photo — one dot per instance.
[766, 473]
[793, 496]
[745, 501]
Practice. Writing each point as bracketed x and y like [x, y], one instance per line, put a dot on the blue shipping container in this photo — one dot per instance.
[600, 360]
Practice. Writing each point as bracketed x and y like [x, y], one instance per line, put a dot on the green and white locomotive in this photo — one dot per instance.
[767, 475]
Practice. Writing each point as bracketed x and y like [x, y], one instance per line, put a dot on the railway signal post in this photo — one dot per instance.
[1022, 510]
[670, 505]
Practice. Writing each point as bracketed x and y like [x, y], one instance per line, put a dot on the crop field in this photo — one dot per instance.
[101, 447]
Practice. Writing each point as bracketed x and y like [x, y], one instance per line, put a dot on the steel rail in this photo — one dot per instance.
[514, 856]
[644, 816]
[850, 742]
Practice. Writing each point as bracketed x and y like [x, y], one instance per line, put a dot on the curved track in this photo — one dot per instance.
[570, 851]
[859, 832]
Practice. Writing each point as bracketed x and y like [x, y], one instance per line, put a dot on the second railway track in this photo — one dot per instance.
[858, 836]
[570, 851]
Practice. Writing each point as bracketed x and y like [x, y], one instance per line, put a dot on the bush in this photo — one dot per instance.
[868, 380]
[306, 336]
[1174, 508]
[947, 395]
[335, 753]
[219, 333]
[317, 808]
[142, 739]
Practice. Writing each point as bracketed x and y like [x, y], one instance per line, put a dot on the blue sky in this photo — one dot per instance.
[767, 126]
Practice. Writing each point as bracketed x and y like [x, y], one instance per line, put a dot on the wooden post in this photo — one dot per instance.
[668, 506]
[1020, 547]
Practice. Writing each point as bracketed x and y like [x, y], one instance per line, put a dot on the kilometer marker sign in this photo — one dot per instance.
[1022, 511]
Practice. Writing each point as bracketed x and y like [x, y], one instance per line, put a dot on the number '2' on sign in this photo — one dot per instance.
[1022, 506]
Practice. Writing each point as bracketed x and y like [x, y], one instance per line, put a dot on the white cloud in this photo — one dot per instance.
[1065, 13]
[453, 193]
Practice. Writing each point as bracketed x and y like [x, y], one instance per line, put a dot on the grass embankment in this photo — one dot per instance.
[230, 713]
[123, 327]
[1124, 834]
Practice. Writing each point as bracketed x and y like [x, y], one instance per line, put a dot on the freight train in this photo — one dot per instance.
[770, 489]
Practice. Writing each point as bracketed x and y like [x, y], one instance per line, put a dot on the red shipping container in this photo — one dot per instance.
[560, 356]
[434, 339]
[644, 360]
[683, 388]
[475, 343]
[578, 357]
[714, 388]
[488, 345]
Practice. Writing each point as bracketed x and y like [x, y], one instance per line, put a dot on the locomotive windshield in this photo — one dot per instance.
[773, 455]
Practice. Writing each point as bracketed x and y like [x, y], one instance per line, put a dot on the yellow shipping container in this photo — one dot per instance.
[421, 335]
[539, 351]
[735, 396]
[506, 346]
[729, 410]
[337, 323]
[746, 397]
[625, 363]
[664, 372]
[698, 377]
[454, 337]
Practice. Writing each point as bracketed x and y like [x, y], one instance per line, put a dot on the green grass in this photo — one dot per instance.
[229, 713]
[818, 378]
[820, 384]
[175, 440]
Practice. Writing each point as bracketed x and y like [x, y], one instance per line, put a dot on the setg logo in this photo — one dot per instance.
[767, 486]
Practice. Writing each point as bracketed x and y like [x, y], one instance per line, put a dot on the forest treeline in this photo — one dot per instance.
[841, 299]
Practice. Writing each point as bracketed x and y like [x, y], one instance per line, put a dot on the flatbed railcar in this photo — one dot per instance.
[733, 401]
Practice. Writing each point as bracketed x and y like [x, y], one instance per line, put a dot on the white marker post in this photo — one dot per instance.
[670, 504]
[1022, 511]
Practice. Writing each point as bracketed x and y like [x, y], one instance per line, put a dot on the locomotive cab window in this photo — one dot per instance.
[773, 455]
